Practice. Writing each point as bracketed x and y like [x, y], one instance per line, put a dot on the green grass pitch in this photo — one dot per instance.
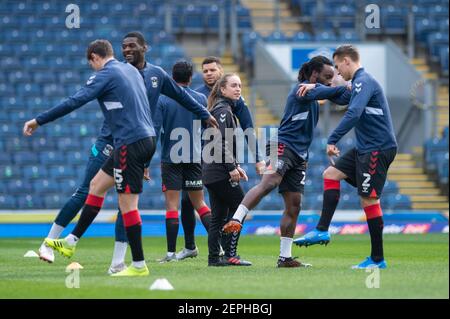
[418, 268]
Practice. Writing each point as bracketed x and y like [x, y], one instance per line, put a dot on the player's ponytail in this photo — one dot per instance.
[315, 64]
[303, 72]
[215, 92]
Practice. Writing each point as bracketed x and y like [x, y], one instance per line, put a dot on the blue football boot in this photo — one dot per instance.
[313, 237]
[370, 264]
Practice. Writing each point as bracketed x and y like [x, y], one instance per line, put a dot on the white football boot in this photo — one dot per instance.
[46, 253]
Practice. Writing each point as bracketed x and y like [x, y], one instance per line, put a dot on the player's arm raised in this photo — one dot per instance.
[93, 88]
[337, 94]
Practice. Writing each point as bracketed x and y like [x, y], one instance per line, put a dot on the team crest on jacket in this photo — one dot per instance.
[279, 165]
[154, 80]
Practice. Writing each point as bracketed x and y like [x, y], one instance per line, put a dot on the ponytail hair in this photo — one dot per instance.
[215, 92]
[315, 64]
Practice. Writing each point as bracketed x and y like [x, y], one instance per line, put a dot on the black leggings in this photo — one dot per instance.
[224, 200]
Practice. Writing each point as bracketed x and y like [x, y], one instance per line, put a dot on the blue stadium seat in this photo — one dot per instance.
[39, 144]
[443, 25]
[17, 144]
[9, 130]
[30, 90]
[301, 37]
[84, 130]
[444, 56]
[9, 171]
[54, 201]
[111, 201]
[349, 36]
[394, 19]
[76, 157]
[438, 11]
[325, 36]
[276, 36]
[46, 186]
[70, 143]
[19, 77]
[397, 201]
[436, 41]
[10, 63]
[193, 18]
[419, 11]
[423, 27]
[443, 170]
[52, 158]
[349, 201]
[34, 172]
[43, 78]
[19, 187]
[30, 202]
[62, 171]
[212, 17]
[390, 187]
[7, 202]
[244, 17]
[19, 116]
[57, 130]
[25, 157]
[433, 150]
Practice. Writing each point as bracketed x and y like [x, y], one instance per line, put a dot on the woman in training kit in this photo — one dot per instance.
[221, 171]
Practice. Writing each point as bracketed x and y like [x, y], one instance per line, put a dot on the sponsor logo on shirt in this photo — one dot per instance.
[113, 105]
[108, 150]
[300, 116]
[90, 80]
[198, 183]
[154, 80]
[373, 111]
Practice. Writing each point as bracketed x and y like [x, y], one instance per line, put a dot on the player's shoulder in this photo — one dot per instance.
[199, 96]
[202, 89]
[163, 99]
[364, 81]
[222, 107]
[154, 70]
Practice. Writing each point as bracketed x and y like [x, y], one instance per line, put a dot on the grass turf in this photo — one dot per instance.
[418, 267]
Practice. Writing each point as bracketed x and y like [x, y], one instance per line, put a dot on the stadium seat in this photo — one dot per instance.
[349, 36]
[34, 172]
[7, 202]
[61, 171]
[19, 187]
[17, 144]
[54, 201]
[325, 36]
[30, 202]
[276, 37]
[9, 171]
[52, 158]
[301, 36]
[397, 201]
[25, 157]
[46, 186]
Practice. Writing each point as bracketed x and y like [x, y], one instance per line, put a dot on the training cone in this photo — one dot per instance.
[30, 253]
[74, 266]
[161, 284]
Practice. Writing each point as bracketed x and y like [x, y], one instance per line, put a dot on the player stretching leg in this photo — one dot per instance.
[365, 166]
[287, 169]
